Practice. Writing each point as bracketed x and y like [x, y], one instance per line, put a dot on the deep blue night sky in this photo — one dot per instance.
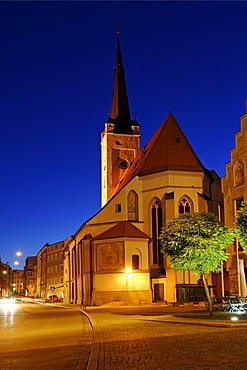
[56, 64]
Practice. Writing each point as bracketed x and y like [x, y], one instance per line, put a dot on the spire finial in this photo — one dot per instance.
[117, 24]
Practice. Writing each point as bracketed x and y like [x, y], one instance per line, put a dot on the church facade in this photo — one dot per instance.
[115, 255]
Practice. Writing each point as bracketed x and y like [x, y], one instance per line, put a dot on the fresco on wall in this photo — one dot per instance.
[110, 256]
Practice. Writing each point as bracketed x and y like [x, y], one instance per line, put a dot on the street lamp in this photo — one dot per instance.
[128, 272]
[18, 254]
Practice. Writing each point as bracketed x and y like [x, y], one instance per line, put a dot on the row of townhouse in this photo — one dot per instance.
[49, 270]
[6, 279]
[11, 281]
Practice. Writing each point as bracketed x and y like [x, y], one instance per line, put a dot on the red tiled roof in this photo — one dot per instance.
[168, 149]
[122, 229]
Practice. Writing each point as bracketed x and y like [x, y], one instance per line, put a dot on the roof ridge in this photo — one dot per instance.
[167, 149]
[122, 229]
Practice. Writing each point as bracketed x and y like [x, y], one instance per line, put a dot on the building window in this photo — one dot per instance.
[169, 195]
[118, 208]
[237, 204]
[135, 262]
[132, 206]
[156, 211]
[184, 205]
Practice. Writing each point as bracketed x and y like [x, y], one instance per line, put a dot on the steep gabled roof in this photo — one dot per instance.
[120, 112]
[122, 229]
[168, 149]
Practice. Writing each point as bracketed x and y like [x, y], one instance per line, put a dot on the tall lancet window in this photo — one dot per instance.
[156, 229]
[132, 206]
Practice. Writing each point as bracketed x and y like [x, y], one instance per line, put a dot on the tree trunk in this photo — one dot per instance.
[210, 305]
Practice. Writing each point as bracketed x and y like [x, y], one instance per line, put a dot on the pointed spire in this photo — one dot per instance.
[120, 112]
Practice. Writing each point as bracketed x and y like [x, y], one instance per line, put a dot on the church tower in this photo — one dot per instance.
[120, 139]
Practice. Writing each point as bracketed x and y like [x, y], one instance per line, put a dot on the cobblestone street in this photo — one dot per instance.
[138, 341]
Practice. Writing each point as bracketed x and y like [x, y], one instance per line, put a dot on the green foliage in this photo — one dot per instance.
[241, 226]
[196, 242]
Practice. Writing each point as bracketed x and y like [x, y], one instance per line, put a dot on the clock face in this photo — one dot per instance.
[123, 164]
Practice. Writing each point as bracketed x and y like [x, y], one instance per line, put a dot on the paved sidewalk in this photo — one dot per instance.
[166, 337]
[160, 337]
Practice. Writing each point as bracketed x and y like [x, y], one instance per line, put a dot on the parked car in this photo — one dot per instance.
[53, 298]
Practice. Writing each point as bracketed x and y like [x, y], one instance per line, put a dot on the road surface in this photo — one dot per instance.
[43, 337]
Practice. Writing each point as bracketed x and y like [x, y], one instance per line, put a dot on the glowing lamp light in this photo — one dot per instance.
[16, 263]
[18, 254]
[128, 271]
[234, 318]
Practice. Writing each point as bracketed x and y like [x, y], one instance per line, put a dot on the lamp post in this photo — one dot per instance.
[3, 283]
[127, 274]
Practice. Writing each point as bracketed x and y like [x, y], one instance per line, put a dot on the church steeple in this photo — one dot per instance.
[120, 112]
[120, 139]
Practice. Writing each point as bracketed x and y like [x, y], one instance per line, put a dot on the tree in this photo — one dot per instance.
[196, 242]
[241, 226]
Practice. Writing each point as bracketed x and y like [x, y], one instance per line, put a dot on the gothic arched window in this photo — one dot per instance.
[156, 211]
[185, 205]
[132, 206]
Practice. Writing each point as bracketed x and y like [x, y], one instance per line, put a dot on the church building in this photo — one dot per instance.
[115, 255]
